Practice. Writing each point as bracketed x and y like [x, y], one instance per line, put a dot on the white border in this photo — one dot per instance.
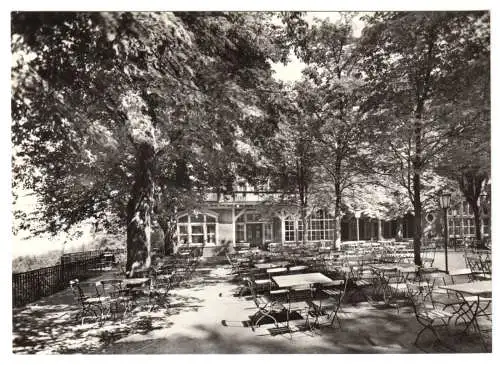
[310, 5]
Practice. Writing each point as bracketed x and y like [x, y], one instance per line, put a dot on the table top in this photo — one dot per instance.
[275, 270]
[287, 281]
[385, 267]
[135, 281]
[472, 288]
[269, 265]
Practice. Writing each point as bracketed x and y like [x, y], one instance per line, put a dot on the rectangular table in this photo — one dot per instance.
[135, 282]
[288, 281]
[478, 289]
[473, 288]
[269, 265]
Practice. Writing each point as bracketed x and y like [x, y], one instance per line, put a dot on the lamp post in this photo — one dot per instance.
[444, 201]
[357, 214]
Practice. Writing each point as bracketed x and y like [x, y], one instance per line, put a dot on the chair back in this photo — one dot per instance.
[417, 297]
[301, 293]
[82, 291]
[109, 287]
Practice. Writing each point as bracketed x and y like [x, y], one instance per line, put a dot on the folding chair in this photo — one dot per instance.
[115, 296]
[158, 291]
[266, 306]
[426, 314]
[329, 301]
[428, 255]
[361, 278]
[300, 301]
[87, 297]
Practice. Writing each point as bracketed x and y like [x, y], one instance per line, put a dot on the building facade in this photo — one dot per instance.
[262, 217]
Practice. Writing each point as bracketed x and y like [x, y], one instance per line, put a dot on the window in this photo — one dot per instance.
[469, 227]
[183, 233]
[197, 233]
[268, 232]
[486, 226]
[300, 230]
[458, 227]
[321, 226]
[240, 232]
[210, 233]
[289, 230]
[197, 228]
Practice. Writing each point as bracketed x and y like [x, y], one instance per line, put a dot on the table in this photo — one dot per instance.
[288, 281]
[135, 282]
[476, 289]
[269, 265]
[276, 270]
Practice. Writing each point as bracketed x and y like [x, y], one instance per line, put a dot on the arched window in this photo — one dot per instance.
[197, 228]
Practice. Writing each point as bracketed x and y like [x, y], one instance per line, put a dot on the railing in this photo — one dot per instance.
[87, 255]
[32, 285]
[248, 196]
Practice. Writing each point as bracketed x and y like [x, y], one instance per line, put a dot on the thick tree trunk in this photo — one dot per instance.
[139, 211]
[168, 237]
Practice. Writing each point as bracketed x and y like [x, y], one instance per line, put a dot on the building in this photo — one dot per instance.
[262, 217]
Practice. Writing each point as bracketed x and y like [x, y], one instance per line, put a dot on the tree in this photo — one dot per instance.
[411, 63]
[330, 96]
[100, 98]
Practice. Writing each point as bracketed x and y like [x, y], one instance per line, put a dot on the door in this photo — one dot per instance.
[254, 234]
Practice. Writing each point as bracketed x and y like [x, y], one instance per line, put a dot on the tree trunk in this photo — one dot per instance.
[168, 237]
[139, 211]
[417, 232]
[417, 203]
[477, 224]
[337, 228]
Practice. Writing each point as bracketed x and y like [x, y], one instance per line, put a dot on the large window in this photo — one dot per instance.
[321, 225]
[197, 228]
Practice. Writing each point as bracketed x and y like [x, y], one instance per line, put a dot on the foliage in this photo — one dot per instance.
[134, 96]
[412, 61]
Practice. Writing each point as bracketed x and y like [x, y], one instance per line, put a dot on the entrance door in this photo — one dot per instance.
[254, 234]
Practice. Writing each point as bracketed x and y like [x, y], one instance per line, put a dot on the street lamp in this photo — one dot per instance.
[357, 214]
[444, 201]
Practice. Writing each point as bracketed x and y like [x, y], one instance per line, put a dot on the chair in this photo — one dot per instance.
[299, 301]
[158, 291]
[266, 306]
[115, 296]
[428, 255]
[426, 314]
[329, 301]
[87, 297]
[361, 278]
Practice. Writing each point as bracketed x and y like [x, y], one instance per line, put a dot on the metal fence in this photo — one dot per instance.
[35, 284]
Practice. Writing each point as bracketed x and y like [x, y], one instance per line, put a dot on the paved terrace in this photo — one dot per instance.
[193, 323]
